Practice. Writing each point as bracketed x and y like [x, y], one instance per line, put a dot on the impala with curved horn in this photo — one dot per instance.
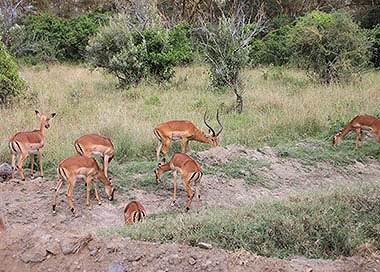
[186, 131]
[78, 166]
[28, 143]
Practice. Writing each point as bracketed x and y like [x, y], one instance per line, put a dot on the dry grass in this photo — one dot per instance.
[279, 106]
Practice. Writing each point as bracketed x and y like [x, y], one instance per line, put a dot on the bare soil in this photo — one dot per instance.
[37, 240]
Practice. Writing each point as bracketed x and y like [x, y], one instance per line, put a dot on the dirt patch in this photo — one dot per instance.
[36, 240]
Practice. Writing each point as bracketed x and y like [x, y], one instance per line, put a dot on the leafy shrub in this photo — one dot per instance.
[375, 36]
[181, 43]
[132, 53]
[47, 37]
[276, 50]
[11, 84]
[331, 47]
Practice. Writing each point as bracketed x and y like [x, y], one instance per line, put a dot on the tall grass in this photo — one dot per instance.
[279, 106]
[326, 224]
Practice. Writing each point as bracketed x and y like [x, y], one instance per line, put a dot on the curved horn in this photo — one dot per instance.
[210, 128]
[220, 123]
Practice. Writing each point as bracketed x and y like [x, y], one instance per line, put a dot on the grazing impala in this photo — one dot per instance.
[358, 124]
[185, 130]
[94, 144]
[134, 212]
[190, 171]
[27, 143]
[78, 166]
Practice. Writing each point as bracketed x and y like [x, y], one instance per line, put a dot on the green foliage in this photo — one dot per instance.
[131, 53]
[323, 225]
[375, 36]
[11, 83]
[47, 37]
[331, 47]
[181, 43]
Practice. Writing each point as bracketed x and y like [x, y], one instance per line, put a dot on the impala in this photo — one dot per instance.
[190, 171]
[185, 130]
[94, 144]
[134, 212]
[358, 124]
[78, 166]
[28, 143]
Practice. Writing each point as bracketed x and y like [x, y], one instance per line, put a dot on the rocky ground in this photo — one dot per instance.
[37, 240]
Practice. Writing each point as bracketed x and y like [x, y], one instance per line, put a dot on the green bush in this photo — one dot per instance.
[331, 47]
[132, 53]
[181, 43]
[11, 84]
[47, 37]
[276, 50]
[375, 36]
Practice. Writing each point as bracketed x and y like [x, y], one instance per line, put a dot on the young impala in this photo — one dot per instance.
[94, 144]
[134, 212]
[358, 124]
[28, 143]
[190, 171]
[185, 130]
[78, 166]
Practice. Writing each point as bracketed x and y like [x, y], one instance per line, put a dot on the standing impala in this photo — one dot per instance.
[28, 143]
[190, 171]
[78, 166]
[94, 144]
[358, 124]
[185, 130]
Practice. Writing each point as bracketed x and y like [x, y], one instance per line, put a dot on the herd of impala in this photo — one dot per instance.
[83, 165]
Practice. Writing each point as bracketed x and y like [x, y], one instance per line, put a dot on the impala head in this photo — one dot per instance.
[110, 191]
[212, 136]
[336, 138]
[158, 171]
[45, 118]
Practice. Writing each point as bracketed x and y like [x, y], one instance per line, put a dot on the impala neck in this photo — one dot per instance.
[42, 124]
[346, 130]
[165, 167]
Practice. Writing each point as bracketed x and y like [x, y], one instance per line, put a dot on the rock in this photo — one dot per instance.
[116, 268]
[204, 245]
[5, 170]
[53, 247]
[192, 261]
[75, 244]
[134, 257]
[34, 255]
[174, 259]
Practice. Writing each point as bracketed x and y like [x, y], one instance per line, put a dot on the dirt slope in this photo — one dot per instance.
[36, 240]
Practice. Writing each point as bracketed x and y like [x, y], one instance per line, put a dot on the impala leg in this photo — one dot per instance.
[357, 130]
[198, 193]
[184, 148]
[40, 157]
[175, 187]
[105, 164]
[31, 165]
[13, 159]
[165, 148]
[88, 182]
[159, 147]
[56, 191]
[69, 194]
[191, 194]
[20, 163]
[96, 192]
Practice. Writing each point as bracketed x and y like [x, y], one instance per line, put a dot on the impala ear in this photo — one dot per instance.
[163, 160]
[37, 112]
[53, 114]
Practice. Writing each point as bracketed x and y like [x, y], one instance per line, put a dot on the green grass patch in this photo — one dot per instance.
[240, 168]
[327, 224]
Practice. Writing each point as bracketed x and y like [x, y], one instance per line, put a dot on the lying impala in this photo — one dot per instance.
[78, 166]
[185, 130]
[134, 212]
[28, 143]
[190, 171]
[94, 144]
[358, 124]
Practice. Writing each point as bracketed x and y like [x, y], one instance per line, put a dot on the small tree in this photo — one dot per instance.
[226, 47]
[11, 84]
[331, 47]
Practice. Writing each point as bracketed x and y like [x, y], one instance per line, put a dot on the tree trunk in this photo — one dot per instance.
[239, 99]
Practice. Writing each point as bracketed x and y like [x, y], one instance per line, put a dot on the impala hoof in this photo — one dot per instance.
[99, 203]
[173, 203]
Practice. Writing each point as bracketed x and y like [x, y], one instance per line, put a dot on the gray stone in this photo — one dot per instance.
[34, 255]
[204, 245]
[5, 170]
[192, 261]
[53, 247]
[116, 268]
